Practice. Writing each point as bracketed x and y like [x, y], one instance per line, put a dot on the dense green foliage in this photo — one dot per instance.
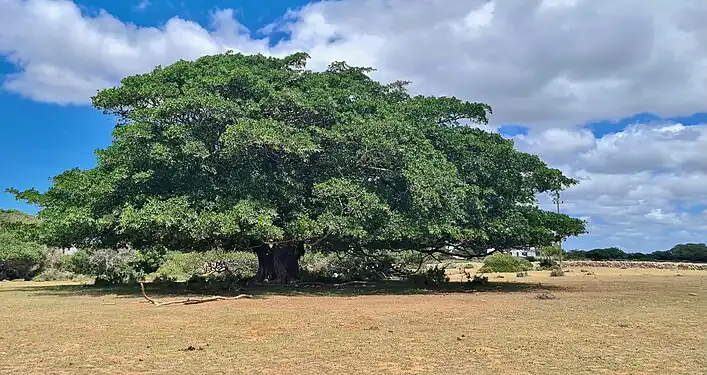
[499, 262]
[552, 251]
[688, 252]
[547, 263]
[19, 259]
[251, 152]
[351, 265]
[548, 256]
[20, 256]
[183, 266]
[316, 266]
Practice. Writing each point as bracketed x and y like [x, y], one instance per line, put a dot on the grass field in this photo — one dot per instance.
[614, 322]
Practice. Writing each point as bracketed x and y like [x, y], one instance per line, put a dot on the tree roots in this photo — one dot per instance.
[191, 301]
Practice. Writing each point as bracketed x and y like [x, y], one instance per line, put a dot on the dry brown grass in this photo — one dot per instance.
[613, 322]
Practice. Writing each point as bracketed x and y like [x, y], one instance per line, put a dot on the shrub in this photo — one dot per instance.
[180, 266]
[319, 267]
[499, 262]
[436, 275]
[183, 266]
[547, 263]
[78, 263]
[55, 274]
[149, 260]
[220, 281]
[164, 280]
[53, 258]
[524, 264]
[531, 258]
[479, 280]
[315, 266]
[237, 265]
[19, 259]
[557, 272]
[357, 266]
[114, 266]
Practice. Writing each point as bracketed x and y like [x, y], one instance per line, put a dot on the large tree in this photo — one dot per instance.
[252, 152]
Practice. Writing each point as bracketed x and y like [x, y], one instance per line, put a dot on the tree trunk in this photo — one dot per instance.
[279, 264]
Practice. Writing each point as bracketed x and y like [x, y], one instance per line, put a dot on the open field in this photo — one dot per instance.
[618, 321]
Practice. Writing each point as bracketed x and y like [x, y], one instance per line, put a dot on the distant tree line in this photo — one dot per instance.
[688, 252]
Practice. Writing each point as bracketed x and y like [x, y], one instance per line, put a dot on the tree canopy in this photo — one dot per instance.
[238, 151]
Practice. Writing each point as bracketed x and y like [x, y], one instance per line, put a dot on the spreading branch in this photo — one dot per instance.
[191, 301]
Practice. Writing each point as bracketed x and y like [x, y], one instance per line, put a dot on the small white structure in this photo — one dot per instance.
[68, 251]
[525, 252]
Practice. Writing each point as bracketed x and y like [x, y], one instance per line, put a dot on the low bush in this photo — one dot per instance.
[19, 259]
[111, 266]
[359, 266]
[115, 266]
[478, 280]
[184, 266]
[180, 266]
[239, 264]
[79, 263]
[214, 282]
[547, 263]
[149, 260]
[557, 272]
[499, 262]
[436, 275]
[164, 280]
[319, 267]
[55, 274]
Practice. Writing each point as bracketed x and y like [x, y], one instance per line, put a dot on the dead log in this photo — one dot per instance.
[191, 301]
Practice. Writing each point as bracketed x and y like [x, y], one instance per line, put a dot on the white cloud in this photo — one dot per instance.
[550, 64]
[642, 186]
[545, 63]
[142, 5]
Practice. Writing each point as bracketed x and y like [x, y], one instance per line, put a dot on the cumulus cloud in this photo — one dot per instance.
[538, 62]
[547, 64]
[643, 185]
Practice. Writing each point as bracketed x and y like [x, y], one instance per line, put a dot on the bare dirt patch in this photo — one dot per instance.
[615, 321]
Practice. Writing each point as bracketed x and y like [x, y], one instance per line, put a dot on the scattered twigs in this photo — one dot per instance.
[190, 301]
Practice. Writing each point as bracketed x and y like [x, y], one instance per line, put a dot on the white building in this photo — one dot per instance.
[525, 252]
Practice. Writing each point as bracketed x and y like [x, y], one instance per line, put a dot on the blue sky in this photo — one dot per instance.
[41, 140]
[641, 168]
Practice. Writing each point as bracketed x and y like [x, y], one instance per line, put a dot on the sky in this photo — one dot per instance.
[612, 94]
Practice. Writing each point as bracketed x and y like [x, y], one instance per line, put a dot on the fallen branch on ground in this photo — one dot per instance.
[191, 301]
